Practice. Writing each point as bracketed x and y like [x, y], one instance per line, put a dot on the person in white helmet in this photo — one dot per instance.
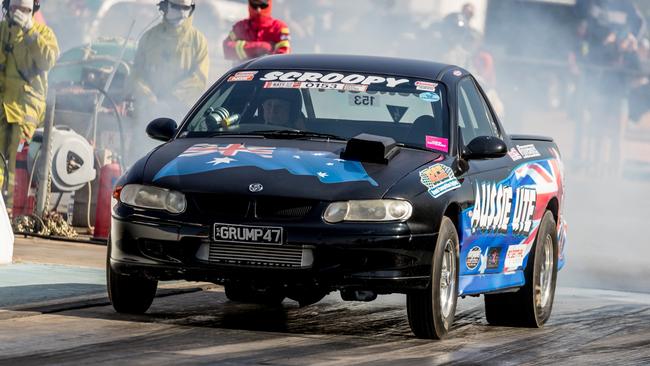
[171, 66]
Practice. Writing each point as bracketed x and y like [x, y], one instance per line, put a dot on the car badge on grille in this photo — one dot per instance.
[256, 187]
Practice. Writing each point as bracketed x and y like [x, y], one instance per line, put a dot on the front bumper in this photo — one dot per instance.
[383, 263]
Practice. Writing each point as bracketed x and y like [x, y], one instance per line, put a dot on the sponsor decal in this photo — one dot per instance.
[243, 76]
[496, 208]
[426, 86]
[309, 85]
[457, 73]
[355, 88]
[514, 257]
[324, 165]
[528, 151]
[281, 85]
[439, 179]
[524, 210]
[437, 143]
[514, 154]
[493, 258]
[430, 97]
[473, 258]
[334, 77]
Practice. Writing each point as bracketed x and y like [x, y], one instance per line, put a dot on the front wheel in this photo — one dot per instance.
[431, 311]
[530, 306]
[128, 294]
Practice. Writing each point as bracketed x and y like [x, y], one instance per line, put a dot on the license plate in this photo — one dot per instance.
[248, 234]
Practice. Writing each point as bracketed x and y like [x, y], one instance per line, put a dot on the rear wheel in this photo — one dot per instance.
[128, 294]
[530, 306]
[431, 311]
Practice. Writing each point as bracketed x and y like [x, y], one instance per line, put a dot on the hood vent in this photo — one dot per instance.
[368, 148]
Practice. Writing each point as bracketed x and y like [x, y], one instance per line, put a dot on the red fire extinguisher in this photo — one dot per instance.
[107, 177]
[23, 203]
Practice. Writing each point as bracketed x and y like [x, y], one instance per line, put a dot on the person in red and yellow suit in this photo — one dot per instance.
[258, 35]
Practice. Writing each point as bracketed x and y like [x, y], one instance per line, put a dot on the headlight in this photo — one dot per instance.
[368, 210]
[153, 198]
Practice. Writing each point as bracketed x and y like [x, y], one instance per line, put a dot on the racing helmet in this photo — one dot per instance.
[292, 96]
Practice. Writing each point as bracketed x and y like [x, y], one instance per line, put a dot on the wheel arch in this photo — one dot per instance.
[453, 212]
[554, 206]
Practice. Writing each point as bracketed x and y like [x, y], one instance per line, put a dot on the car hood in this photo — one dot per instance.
[281, 168]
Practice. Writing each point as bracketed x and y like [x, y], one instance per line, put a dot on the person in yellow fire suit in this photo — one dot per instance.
[171, 66]
[28, 51]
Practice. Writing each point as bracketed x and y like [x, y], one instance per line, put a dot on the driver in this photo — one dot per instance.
[282, 107]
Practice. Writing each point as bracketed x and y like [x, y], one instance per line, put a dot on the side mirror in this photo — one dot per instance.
[162, 129]
[485, 147]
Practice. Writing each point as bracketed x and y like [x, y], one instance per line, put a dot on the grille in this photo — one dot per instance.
[283, 208]
[266, 208]
[221, 205]
[260, 255]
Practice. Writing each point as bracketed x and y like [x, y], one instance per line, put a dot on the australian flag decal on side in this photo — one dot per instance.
[326, 166]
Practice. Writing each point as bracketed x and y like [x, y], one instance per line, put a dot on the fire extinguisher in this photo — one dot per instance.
[107, 177]
[23, 204]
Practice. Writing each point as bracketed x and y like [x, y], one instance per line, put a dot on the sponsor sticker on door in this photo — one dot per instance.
[528, 151]
[473, 258]
[498, 207]
[514, 257]
[439, 179]
[493, 258]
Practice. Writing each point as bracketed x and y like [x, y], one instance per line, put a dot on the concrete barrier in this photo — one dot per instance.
[6, 235]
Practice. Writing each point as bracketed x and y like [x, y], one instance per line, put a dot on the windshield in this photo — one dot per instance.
[315, 104]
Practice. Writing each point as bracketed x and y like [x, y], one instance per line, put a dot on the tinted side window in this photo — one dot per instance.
[474, 118]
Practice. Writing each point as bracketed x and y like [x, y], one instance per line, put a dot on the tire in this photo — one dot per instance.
[128, 294]
[250, 295]
[530, 306]
[431, 311]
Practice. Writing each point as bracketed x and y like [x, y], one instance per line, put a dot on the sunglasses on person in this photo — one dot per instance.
[23, 9]
[180, 7]
[261, 4]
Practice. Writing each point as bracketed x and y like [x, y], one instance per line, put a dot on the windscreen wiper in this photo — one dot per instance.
[231, 133]
[296, 134]
[408, 146]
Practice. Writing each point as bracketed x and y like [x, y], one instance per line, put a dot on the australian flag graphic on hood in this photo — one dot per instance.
[326, 166]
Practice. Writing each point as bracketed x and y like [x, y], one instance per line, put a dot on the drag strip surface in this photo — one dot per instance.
[588, 326]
